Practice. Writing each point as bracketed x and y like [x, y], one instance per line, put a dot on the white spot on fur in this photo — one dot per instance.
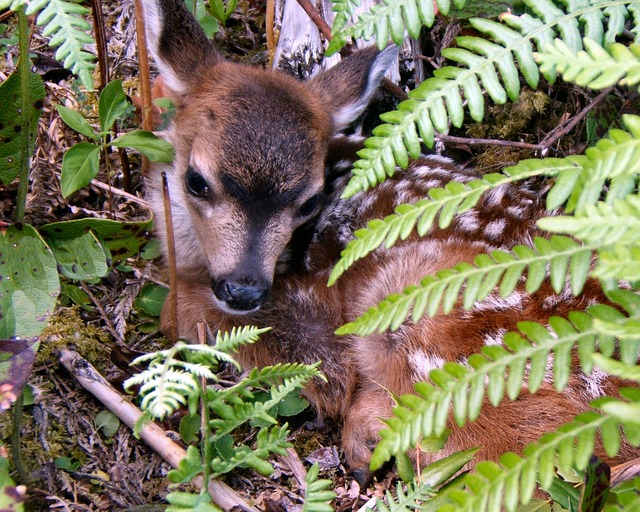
[494, 197]
[469, 222]
[593, 383]
[497, 303]
[515, 211]
[495, 337]
[423, 363]
[495, 229]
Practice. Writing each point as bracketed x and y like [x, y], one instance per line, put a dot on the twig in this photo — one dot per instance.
[151, 433]
[561, 131]
[145, 76]
[625, 472]
[171, 256]
[102, 312]
[293, 462]
[325, 30]
[488, 142]
[314, 15]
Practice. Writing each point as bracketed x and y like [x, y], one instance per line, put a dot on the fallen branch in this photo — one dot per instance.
[152, 434]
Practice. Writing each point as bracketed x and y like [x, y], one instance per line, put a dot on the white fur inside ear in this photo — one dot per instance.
[349, 113]
[152, 13]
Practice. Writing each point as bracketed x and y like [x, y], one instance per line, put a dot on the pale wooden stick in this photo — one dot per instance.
[152, 434]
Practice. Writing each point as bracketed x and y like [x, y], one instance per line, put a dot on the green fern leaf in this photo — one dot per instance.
[462, 386]
[317, 497]
[390, 18]
[268, 441]
[513, 481]
[443, 203]
[483, 64]
[487, 270]
[593, 67]
[69, 32]
[606, 223]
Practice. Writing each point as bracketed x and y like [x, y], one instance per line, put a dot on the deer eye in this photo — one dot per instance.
[196, 184]
[311, 205]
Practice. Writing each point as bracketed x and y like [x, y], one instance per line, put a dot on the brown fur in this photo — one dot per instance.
[259, 141]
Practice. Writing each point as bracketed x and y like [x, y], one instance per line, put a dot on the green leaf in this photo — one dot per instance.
[154, 148]
[80, 165]
[29, 285]
[76, 121]
[82, 258]
[112, 105]
[292, 405]
[437, 473]
[11, 132]
[151, 298]
[123, 239]
[107, 422]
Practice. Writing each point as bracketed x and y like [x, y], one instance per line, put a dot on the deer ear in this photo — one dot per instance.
[349, 87]
[178, 44]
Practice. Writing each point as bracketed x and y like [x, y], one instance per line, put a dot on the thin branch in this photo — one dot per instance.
[487, 142]
[145, 77]
[562, 130]
[171, 256]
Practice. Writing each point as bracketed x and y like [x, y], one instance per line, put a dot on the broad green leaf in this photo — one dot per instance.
[76, 121]
[151, 298]
[154, 148]
[11, 133]
[112, 105]
[29, 283]
[107, 422]
[80, 165]
[82, 258]
[124, 239]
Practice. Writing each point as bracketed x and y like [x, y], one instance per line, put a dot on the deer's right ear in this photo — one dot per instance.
[349, 87]
[178, 44]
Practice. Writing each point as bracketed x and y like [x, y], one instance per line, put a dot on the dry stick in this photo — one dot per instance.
[270, 29]
[546, 143]
[325, 30]
[145, 77]
[561, 131]
[171, 256]
[152, 434]
[101, 42]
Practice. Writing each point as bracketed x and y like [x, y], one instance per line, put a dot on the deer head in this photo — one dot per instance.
[250, 151]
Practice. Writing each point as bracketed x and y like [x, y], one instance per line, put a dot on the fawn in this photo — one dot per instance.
[259, 225]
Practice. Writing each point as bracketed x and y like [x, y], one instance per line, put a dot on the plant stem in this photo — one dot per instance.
[25, 110]
[23, 474]
[207, 456]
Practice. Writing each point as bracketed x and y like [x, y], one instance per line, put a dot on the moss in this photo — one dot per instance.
[67, 327]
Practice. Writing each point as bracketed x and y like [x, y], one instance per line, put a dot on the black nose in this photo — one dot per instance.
[241, 295]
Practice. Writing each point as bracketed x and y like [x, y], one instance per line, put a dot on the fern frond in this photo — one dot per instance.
[462, 388]
[617, 368]
[231, 408]
[441, 290]
[512, 482]
[238, 336]
[606, 223]
[406, 501]
[317, 497]
[444, 204]
[269, 440]
[593, 67]
[390, 18]
[69, 32]
[165, 389]
[491, 65]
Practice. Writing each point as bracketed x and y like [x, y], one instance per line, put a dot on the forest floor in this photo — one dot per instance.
[79, 457]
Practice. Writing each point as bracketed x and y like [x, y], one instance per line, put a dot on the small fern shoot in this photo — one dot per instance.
[317, 497]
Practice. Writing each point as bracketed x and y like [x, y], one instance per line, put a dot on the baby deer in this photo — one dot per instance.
[259, 226]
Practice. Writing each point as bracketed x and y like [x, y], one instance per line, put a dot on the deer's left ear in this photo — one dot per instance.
[349, 87]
